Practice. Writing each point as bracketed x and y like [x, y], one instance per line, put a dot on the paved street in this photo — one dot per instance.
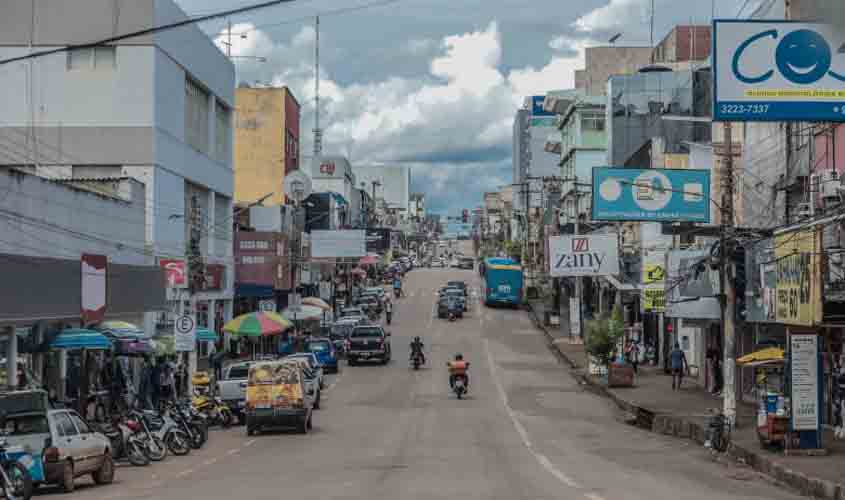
[526, 431]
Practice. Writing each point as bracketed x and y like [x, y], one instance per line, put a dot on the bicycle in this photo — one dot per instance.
[717, 436]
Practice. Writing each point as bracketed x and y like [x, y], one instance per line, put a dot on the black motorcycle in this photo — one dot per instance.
[125, 440]
[191, 422]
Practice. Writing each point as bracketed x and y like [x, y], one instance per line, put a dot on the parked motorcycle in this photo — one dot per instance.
[416, 360]
[214, 409]
[126, 441]
[168, 431]
[15, 481]
[452, 316]
[191, 422]
[154, 446]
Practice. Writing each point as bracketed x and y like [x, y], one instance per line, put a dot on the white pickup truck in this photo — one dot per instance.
[232, 388]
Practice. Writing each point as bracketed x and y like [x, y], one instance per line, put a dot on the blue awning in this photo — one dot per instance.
[77, 338]
[205, 335]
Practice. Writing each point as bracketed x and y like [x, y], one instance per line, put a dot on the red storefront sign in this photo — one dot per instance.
[327, 168]
[214, 274]
[175, 273]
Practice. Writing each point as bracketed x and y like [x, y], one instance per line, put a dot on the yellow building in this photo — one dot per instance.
[266, 142]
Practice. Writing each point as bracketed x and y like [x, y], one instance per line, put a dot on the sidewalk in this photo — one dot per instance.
[653, 404]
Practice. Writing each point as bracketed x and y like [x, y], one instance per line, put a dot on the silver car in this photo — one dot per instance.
[70, 447]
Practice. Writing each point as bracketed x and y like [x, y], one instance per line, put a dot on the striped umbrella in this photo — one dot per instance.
[317, 302]
[257, 324]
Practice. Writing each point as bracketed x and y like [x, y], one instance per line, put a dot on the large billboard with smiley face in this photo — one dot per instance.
[778, 71]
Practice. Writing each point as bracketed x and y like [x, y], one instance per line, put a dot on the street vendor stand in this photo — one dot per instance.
[772, 408]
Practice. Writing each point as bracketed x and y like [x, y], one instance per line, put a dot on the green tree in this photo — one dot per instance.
[603, 335]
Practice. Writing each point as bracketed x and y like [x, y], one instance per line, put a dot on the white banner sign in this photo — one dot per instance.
[185, 333]
[575, 317]
[588, 255]
[805, 381]
[338, 244]
[267, 305]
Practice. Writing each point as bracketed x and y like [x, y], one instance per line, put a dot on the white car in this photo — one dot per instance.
[313, 365]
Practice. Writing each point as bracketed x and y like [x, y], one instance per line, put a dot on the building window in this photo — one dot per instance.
[222, 132]
[196, 116]
[255, 245]
[592, 121]
[89, 58]
[252, 259]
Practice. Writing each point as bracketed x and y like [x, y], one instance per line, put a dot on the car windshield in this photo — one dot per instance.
[319, 346]
[304, 357]
[367, 332]
[240, 371]
[25, 425]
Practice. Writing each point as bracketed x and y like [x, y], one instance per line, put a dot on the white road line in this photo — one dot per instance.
[210, 461]
[593, 496]
[250, 442]
[233, 451]
[185, 472]
[523, 433]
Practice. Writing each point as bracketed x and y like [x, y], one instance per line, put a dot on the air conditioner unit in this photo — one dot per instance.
[828, 182]
[804, 210]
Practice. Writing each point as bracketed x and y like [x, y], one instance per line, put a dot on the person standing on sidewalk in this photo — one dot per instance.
[632, 352]
[678, 363]
[388, 310]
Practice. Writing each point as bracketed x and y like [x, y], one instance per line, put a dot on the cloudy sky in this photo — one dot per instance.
[434, 84]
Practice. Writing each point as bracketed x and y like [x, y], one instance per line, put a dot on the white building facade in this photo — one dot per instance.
[393, 184]
[156, 108]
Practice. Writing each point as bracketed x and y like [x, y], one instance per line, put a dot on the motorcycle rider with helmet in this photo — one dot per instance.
[417, 348]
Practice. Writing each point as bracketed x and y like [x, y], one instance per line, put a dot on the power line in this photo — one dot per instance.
[147, 31]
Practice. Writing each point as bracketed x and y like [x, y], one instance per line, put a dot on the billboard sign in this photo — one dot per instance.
[174, 272]
[94, 269]
[761, 290]
[653, 279]
[338, 244]
[804, 370]
[587, 255]
[778, 71]
[537, 106]
[798, 300]
[653, 195]
[695, 286]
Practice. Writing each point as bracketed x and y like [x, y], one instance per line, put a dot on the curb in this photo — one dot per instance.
[684, 428]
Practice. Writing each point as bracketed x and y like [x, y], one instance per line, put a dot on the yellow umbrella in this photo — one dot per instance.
[317, 302]
[767, 354]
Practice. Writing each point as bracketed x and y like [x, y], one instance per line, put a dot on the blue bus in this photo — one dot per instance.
[502, 282]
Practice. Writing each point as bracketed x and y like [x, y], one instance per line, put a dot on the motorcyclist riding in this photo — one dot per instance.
[458, 368]
[417, 348]
[397, 286]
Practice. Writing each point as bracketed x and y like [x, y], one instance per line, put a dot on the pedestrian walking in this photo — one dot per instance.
[678, 362]
[632, 352]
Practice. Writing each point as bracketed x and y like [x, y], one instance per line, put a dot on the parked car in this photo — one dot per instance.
[313, 365]
[370, 303]
[279, 396]
[309, 380]
[352, 311]
[340, 331]
[367, 343]
[466, 263]
[326, 353]
[231, 389]
[65, 444]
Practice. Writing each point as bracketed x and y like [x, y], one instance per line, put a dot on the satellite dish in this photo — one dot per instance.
[297, 186]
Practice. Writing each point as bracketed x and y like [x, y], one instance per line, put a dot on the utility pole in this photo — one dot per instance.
[197, 274]
[726, 282]
[318, 132]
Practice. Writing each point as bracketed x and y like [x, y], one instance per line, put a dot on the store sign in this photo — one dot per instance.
[327, 169]
[693, 293]
[588, 255]
[537, 106]
[653, 279]
[575, 317]
[94, 277]
[267, 305]
[651, 194]
[804, 366]
[778, 71]
[214, 274]
[761, 290]
[797, 278]
[654, 300]
[174, 271]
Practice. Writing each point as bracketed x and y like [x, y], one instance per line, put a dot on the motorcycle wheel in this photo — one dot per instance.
[198, 436]
[21, 481]
[155, 449]
[178, 442]
[226, 418]
[136, 454]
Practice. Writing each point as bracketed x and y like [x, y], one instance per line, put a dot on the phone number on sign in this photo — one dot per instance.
[744, 109]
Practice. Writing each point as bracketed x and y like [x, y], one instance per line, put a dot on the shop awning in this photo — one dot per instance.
[205, 335]
[128, 346]
[77, 338]
[767, 354]
[253, 290]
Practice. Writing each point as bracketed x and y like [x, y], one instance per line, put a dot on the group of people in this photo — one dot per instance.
[162, 380]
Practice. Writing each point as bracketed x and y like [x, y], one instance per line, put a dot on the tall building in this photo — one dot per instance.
[393, 184]
[266, 142]
[156, 108]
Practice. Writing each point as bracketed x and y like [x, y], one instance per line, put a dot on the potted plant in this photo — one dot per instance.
[602, 336]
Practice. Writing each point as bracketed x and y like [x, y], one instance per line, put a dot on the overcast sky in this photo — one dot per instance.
[434, 84]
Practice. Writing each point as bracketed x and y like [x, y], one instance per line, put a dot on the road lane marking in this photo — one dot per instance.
[185, 472]
[593, 496]
[233, 451]
[250, 442]
[520, 429]
[210, 461]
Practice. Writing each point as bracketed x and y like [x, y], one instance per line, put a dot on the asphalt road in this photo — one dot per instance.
[526, 431]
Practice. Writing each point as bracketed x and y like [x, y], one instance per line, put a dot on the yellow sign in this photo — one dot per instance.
[654, 300]
[797, 286]
[653, 273]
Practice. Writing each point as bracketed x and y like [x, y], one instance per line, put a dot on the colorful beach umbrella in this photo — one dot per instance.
[316, 302]
[257, 324]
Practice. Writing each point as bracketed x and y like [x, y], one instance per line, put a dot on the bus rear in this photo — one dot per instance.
[503, 285]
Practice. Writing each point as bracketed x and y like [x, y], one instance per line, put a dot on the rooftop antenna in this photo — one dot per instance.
[318, 132]
[652, 32]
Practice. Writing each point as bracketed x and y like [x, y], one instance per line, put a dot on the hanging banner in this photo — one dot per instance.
[804, 370]
[588, 255]
[797, 281]
[778, 71]
[94, 268]
[654, 300]
[574, 317]
[654, 274]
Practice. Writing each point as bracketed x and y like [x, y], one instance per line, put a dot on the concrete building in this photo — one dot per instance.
[417, 206]
[603, 62]
[266, 142]
[156, 108]
[583, 146]
[333, 174]
[394, 185]
[683, 44]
